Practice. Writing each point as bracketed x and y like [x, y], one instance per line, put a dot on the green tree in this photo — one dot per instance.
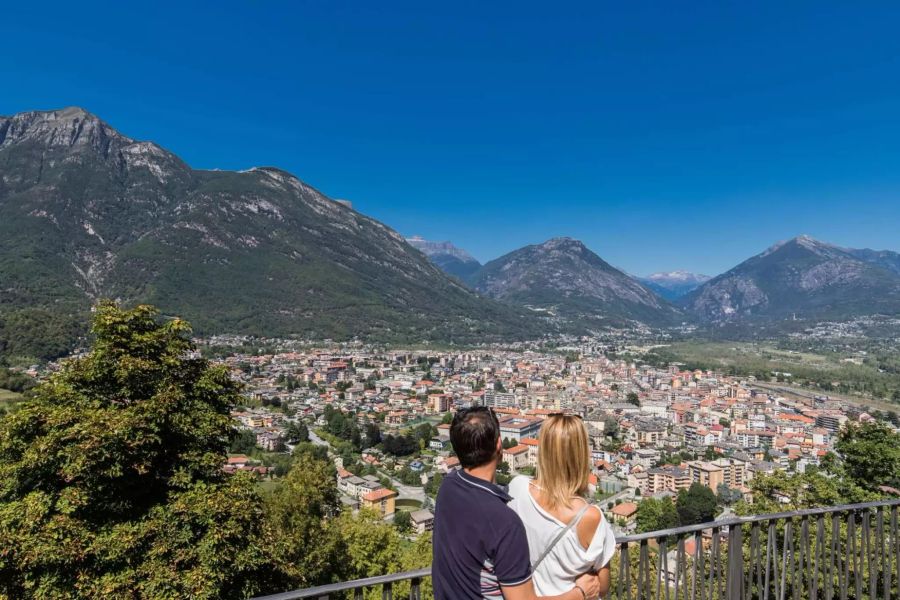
[870, 454]
[697, 504]
[632, 398]
[297, 432]
[434, 484]
[111, 481]
[403, 522]
[299, 514]
[654, 514]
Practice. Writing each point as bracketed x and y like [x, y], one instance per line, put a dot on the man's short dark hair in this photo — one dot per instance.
[474, 433]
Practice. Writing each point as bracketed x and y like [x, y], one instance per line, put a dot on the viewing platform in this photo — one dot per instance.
[847, 552]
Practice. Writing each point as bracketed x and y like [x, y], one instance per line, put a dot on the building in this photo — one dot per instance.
[667, 479]
[439, 403]
[706, 473]
[518, 428]
[650, 432]
[422, 520]
[533, 446]
[381, 500]
[626, 512]
[734, 471]
[516, 457]
[439, 443]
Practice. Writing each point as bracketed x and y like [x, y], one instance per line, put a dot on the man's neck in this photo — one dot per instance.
[486, 472]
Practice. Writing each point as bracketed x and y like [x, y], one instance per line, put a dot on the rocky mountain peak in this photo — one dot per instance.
[563, 244]
[70, 127]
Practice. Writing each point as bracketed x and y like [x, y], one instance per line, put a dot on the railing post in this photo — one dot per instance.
[735, 575]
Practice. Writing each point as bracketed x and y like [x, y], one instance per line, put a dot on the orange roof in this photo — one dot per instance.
[626, 509]
[517, 449]
[528, 442]
[239, 459]
[344, 473]
[378, 495]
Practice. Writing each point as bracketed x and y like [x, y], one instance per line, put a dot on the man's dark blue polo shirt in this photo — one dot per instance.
[479, 542]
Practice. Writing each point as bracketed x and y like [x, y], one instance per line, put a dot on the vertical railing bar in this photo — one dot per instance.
[679, 564]
[784, 559]
[359, 593]
[770, 534]
[387, 591]
[414, 593]
[735, 573]
[713, 565]
[700, 565]
[816, 565]
[880, 549]
[795, 569]
[829, 565]
[867, 535]
[852, 553]
[804, 555]
[664, 561]
[754, 541]
[893, 554]
[642, 566]
[845, 570]
[625, 572]
[838, 571]
[753, 558]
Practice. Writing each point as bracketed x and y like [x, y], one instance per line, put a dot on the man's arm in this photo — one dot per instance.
[586, 586]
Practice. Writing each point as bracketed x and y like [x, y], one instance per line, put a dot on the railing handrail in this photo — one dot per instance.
[806, 512]
[325, 590]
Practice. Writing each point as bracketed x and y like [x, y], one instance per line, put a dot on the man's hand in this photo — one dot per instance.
[590, 584]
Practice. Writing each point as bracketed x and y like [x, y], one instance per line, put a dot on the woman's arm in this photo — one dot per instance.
[603, 580]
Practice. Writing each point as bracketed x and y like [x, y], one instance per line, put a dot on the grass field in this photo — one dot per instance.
[8, 398]
[856, 375]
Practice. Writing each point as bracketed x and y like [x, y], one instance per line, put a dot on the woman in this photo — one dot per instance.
[566, 535]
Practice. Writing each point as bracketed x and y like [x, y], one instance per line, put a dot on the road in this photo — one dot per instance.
[405, 492]
[315, 439]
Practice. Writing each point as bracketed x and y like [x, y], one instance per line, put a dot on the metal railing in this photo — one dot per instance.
[847, 552]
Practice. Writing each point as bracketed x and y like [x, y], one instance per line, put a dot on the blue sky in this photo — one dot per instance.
[664, 135]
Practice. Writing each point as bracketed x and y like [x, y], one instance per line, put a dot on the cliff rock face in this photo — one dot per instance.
[564, 277]
[86, 212]
[801, 278]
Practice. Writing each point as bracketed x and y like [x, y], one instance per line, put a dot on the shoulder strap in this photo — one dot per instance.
[560, 535]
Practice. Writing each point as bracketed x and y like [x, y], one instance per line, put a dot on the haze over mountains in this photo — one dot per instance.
[452, 260]
[87, 212]
[673, 284]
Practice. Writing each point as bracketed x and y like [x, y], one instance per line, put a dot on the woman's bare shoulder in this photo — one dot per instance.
[588, 526]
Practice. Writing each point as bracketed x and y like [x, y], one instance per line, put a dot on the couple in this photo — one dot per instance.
[541, 539]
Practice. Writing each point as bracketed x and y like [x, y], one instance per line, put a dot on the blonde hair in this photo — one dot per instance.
[564, 460]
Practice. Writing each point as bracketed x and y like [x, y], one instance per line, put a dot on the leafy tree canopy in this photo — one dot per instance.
[111, 479]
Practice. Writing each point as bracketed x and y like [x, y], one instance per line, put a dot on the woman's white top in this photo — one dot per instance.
[568, 559]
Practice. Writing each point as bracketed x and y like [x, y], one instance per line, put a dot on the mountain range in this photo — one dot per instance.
[800, 278]
[566, 279]
[87, 212]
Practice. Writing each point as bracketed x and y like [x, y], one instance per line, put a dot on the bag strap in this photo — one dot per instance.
[560, 535]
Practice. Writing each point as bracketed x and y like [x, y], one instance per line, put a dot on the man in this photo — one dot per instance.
[480, 547]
